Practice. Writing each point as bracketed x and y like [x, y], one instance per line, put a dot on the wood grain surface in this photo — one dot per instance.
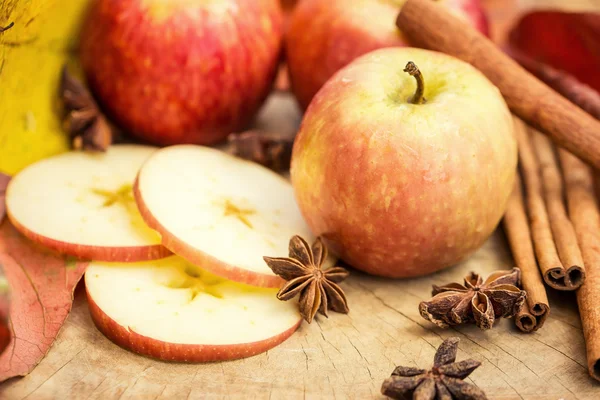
[345, 356]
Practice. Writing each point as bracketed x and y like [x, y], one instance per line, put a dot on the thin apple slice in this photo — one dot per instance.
[171, 310]
[219, 212]
[82, 204]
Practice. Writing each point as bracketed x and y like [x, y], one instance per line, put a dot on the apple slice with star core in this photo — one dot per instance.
[220, 212]
[171, 310]
[82, 204]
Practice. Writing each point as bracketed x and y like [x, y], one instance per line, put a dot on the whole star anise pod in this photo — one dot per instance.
[443, 382]
[318, 289]
[477, 300]
[83, 120]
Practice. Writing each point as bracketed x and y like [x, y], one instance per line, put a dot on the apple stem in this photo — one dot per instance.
[413, 70]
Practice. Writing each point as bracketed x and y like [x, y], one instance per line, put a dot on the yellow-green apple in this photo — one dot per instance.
[399, 186]
[182, 71]
[324, 36]
[82, 204]
[226, 218]
[172, 310]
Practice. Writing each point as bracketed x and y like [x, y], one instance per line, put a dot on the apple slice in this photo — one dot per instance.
[171, 310]
[220, 212]
[82, 204]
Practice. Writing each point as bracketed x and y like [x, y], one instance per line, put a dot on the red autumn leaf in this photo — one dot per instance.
[41, 286]
[565, 40]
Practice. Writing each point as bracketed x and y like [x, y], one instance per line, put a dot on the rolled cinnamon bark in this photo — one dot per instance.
[541, 232]
[536, 308]
[585, 215]
[571, 274]
[429, 25]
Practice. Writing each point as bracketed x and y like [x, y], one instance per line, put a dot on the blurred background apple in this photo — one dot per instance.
[182, 71]
[571, 41]
[324, 36]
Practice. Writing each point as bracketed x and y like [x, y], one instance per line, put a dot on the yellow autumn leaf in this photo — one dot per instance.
[32, 53]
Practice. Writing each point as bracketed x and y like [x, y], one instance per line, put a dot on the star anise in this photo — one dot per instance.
[477, 300]
[317, 288]
[83, 120]
[269, 149]
[444, 381]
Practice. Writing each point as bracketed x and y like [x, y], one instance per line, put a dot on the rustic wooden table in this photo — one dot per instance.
[345, 356]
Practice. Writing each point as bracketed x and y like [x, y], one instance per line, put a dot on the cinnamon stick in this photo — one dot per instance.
[536, 308]
[571, 274]
[585, 215]
[430, 25]
[570, 87]
[541, 232]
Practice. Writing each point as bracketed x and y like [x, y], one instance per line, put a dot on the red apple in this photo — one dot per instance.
[172, 310]
[182, 71]
[324, 36]
[400, 189]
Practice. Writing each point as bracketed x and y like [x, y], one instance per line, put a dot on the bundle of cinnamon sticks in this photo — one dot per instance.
[539, 228]
[553, 216]
[553, 220]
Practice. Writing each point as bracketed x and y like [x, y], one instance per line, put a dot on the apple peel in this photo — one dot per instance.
[81, 204]
[220, 212]
[171, 310]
